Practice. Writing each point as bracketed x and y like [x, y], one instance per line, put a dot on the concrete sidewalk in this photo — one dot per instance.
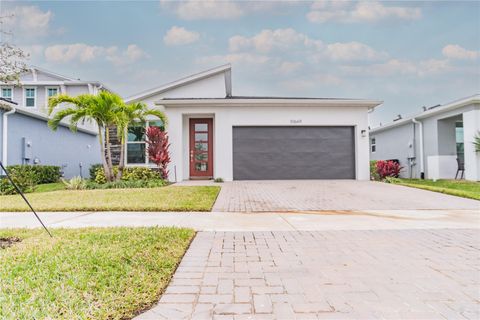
[224, 221]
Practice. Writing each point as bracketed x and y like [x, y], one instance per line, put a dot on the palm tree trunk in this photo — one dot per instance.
[121, 164]
[102, 150]
[109, 155]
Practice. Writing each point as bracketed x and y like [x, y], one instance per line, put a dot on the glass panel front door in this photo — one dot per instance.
[201, 148]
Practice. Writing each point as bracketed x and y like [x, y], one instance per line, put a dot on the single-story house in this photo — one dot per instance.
[215, 134]
[434, 143]
[24, 135]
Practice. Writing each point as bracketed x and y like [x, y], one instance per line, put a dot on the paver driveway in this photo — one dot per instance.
[311, 195]
[387, 274]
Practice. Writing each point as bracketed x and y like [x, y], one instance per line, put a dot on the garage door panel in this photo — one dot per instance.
[293, 153]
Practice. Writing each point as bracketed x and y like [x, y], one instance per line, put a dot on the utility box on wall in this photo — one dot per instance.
[26, 150]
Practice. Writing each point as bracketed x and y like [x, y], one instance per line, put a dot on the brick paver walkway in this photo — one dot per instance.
[387, 274]
[308, 195]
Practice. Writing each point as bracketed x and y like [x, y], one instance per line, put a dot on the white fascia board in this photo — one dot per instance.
[178, 83]
[450, 106]
[394, 124]
[268, 102]
[44, 117]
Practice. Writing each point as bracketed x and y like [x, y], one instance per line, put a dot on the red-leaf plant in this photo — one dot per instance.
[388, 169]
[157, 147]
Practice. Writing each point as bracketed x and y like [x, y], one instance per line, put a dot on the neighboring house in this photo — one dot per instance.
[25, 137]
[216, 134]
[429, 144]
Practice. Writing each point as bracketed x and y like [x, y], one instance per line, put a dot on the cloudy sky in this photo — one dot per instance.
[408, 54]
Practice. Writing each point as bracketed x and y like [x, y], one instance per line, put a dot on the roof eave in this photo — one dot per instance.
[268, 102]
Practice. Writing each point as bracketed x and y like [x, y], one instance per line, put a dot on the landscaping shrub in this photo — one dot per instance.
[218, 180]
[24, 179]
[388, 169]
[41, 174]
[157, 147]
[129, 174]
[75, 183]
[124, 184]
[93, 170]
[139, 173]
[373, 171]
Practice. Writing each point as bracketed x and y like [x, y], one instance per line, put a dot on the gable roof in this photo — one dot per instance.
[431, 112]
[62, 80]
[53, 74]
[187, 80]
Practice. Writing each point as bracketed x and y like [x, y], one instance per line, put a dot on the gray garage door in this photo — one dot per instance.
[269, 153]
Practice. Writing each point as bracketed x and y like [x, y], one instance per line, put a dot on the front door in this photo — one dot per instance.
[201, 151]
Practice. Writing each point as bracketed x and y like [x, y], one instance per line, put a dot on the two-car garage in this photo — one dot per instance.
[293, 152]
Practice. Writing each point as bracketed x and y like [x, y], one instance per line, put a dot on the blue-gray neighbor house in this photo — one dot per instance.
[435, 143]
[25, 137]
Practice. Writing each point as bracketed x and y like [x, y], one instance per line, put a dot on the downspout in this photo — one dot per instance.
[420, 129]
[5, 135]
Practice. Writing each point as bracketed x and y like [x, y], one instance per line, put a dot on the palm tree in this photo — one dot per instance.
[476, 142]
[101, 109]
[127, 114]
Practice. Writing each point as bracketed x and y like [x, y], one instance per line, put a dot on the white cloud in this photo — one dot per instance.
[400, 67]
[234, 58]
[180, 36]
[267, 40]
[454, 51]
[363, 11]
[81, 52]
[27, 20]
[310, 82]
[205, 9]
[287, 67]
[353, 51]
[289, 40]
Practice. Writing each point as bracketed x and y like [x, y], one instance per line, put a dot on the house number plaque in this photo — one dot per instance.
[296, 121]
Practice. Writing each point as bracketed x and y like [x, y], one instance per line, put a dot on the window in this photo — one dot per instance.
[30, 97]
[136, 145]
[373, 145]
[50, 92]
[459, 140]
[7, 93]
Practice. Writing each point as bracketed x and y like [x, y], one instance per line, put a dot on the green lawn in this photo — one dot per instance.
[460, 188]
[47, 187]
[93, 273]
[171, 198]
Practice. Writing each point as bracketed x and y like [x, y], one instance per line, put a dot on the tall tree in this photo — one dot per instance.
[12, 58]
[125, 116]
[101, 109]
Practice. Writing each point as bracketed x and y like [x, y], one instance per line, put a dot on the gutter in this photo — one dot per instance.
[422, 167]
[5, 135]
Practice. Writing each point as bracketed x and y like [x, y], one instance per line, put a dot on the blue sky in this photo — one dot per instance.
[408, 54]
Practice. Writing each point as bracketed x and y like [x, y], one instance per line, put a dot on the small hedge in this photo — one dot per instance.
[125, 184]
[27, 177]
[93, 170]
[129, 174]
[41, 174]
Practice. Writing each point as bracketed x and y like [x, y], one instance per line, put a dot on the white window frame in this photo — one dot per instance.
[7, 87]
[25, 97]
[147, 161]
[46, 93]
[373, 145]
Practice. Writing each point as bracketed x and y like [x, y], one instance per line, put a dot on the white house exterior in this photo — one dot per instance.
[214, 134]
[429, 143]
